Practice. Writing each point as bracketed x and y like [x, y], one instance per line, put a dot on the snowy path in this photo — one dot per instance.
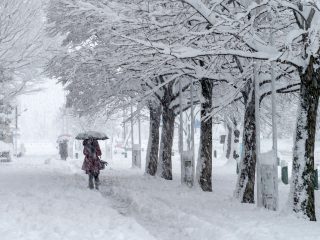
[42, 199]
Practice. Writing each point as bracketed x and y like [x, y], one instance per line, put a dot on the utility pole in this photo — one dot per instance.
[132, 138]
[257, 119]
[139, 128]
[138, 153]
[124, 132]
[136, 148]
[111, 153]
[181, 118]
[124, 125]
[16, 132]
[182, 157]
[187, 157]
[131, 121]
[274, 121]
[192, 129]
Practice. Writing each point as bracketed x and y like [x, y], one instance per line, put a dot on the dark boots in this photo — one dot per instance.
[96, 180]
[90, 181]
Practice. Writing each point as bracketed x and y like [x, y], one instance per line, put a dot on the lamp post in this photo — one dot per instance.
[16, 133]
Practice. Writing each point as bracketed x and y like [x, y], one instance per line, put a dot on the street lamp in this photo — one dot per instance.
[16, 133]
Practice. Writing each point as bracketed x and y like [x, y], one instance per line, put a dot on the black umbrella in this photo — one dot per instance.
[91, 135]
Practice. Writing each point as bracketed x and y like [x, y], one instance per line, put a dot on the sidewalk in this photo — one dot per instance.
[43, 198]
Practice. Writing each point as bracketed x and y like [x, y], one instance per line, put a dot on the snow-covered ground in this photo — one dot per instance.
[171, 211]
[46, 198]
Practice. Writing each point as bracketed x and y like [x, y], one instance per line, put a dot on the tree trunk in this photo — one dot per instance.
[246, 178]
[168, 117]
[229, 141]
[153, 142]
[234, 142]
[205, 152]
[302, 187]
[235, 149]
[166, 143]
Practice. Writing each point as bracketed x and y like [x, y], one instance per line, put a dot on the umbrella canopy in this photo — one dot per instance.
[64, 137]
[91, 135]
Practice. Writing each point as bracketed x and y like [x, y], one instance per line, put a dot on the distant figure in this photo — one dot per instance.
[63, 149]
[91, 164]
[22, 149]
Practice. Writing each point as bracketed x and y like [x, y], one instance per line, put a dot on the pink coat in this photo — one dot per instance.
[92, 152]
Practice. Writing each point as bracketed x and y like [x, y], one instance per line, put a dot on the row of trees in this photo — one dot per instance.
[119, 51]
[21, 45]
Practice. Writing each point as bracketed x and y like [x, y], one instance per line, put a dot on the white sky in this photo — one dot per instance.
[39, 123]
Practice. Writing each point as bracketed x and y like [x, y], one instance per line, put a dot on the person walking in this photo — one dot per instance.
[91, 164]
[63, 149]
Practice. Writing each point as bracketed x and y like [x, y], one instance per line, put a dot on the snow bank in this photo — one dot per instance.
[170, 211]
